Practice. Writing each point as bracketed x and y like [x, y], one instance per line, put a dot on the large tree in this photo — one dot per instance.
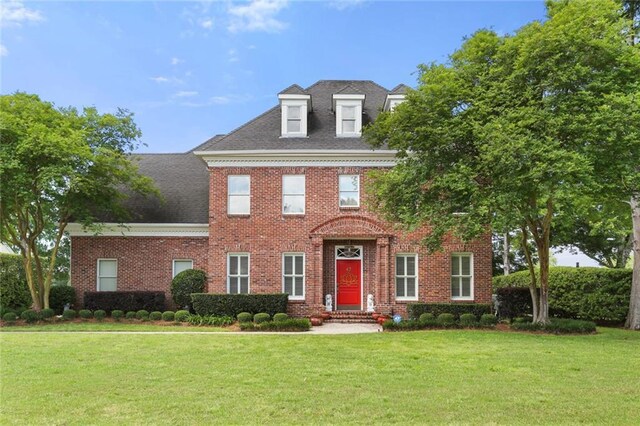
[513, 130]
[57, 164]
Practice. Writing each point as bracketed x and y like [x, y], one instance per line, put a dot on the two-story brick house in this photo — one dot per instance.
[278, 205]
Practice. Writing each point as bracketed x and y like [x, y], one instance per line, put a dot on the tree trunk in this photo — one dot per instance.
[633, 319]
[505, 254]
[533, 286]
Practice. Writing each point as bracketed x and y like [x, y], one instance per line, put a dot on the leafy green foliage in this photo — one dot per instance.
[233, 304]
[182, 316]
[168, 316]
[142, 314]
[125, 300]
[130, 315]
[155, 316]
[446, 320]
[186, 283]
[290, 324]
[69, 314]
[209, 320]
[280, 317]
[261, 317]
[61, 295]
[245, 317]
[427, 318]
[47, 313]
[14, 292]
[557, 326]
[10, 317]
[468, 320]
[30, 316]
[488, 320]
[99, 314]
[415, 310]
[85, 314]
[117, 314]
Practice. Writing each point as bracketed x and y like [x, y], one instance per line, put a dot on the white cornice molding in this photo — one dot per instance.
[299, 158]
[141, 230]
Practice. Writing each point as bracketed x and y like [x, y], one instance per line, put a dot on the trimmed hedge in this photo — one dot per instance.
[260, 318]
[186, 283]
[30, 316]
[291, 324]
[244, 317]
[125, 300]
[130, 315]
[558, 326]
[231, 305]
[10, 317]
[168, 316]
[280, 317]
[117, 314]
[61, 295]
[514, 302]
[155, 316]
[99, 314]
[589, 293]
[14, 292]
[69, 314]
[85, 314]
[181, 316]
[478, 309]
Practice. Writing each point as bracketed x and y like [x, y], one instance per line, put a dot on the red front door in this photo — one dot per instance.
[349, 279]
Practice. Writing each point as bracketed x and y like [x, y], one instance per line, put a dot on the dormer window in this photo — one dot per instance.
[294, 115]
[348, 109]
[392, 101]
[294, 120]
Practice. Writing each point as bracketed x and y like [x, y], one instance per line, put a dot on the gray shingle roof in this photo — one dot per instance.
[400, 89]
[294, 89]
[263, 132]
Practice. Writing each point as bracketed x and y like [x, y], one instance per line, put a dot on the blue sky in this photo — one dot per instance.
[190, 70]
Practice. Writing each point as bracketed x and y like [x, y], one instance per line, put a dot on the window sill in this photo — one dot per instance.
[406, 299]
[297, 299]
[463, 299]
[349, 207]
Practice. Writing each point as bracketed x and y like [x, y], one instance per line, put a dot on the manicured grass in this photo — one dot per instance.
[417, 377]
[107, 326]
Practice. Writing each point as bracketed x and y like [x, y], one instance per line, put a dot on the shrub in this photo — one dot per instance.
[233, 304]
[9, 317]
[182, 316]
[100, 314]
[209, 320]
[14, 292]
[558, 326]
[117, 314]
[69, 314]
[513, 302]
[596, 294]
[130, 315]
[245, 317]
[47, 313]
[142, 314]
[290, 324]
[446, 320]
[168, 316]
[155, 316]
[61, 295]
[408, 325]
[488, 320]
[468, 320]
[186, 283]
[457, 309]
[261, 317]
[85, 313]
[30, 315]
[280, 317]
[125, 300]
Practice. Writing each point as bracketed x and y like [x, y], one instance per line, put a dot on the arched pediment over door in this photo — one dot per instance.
[350, 227]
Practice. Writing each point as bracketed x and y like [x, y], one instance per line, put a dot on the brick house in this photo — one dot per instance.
[277, 205]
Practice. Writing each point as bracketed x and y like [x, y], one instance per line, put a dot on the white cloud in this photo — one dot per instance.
[344, 4]
[14, 13]
[162, 80]
[3, 50]
[233, 55]
[176, 61]
[258, 15]
[185, 94]
[159, 79]
[206, 23]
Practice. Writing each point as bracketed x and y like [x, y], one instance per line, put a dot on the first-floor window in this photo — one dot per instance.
[407, 276]
[180, 265]
[293, 275]
[107, 275]
[238, 273]
[462, 276]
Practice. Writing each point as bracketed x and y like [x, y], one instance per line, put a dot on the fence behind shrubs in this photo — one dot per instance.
[478, 309]
[125, 300]
[595, 294]
[232, 304]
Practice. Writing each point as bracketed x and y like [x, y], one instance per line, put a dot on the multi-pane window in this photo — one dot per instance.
[107, 275]
[293, 275]
[349, 119]
[238, 273]
[294, 119]
[407, 276]
[239, 194]
[180, 265]
[461, 276]
[293, 194]
[349, 186]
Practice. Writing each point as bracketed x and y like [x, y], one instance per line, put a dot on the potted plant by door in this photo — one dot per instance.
[316, 321]
[325, 315]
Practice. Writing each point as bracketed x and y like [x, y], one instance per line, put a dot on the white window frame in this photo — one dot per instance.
[471, 269]
[286, 104]
[248, 275]
[358, 118]
[340, 192]
[229, 195]
[173, 265]
[295, 275]
[98, 276]
[405, 276]
[303, 194]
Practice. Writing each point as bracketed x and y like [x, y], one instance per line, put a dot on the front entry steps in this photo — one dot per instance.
[351, 317]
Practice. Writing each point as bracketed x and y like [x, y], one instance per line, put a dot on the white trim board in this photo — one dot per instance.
[141, 230]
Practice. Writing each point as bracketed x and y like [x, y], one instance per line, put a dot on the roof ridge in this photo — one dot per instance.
[293, 86]
[399, 86]
[212, 139]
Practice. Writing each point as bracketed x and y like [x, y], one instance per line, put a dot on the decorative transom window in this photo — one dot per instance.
[238, 273]
[407, 276]
[462, 276]
[293, 275]
[107, 275]
[239, 195]
[349, 187]
[180, 265]
[293, 189]
[349, 252]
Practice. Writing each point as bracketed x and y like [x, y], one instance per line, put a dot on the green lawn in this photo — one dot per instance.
[418, 377]
[107, 326]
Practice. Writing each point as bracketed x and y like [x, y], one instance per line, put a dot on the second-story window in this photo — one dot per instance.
[349, 120]
[293, 190]
[349, 187]
[294, 120]
[239, 194]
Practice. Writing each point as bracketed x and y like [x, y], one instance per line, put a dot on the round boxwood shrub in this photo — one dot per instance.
[69, 314]
[130, 315]
[47, 313]
[261, 317]
[117, 314]
[9, 317]
[185, 283]
[30, 315]
[488, 320]
[244, 317]
[99, 314]
[426, 318]
[280, 317]
[468, 320]
[155, 316]
[182, 316]
[168, 316]
[446, 320]
[142, 314]
[61, 295]
[85, 313]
